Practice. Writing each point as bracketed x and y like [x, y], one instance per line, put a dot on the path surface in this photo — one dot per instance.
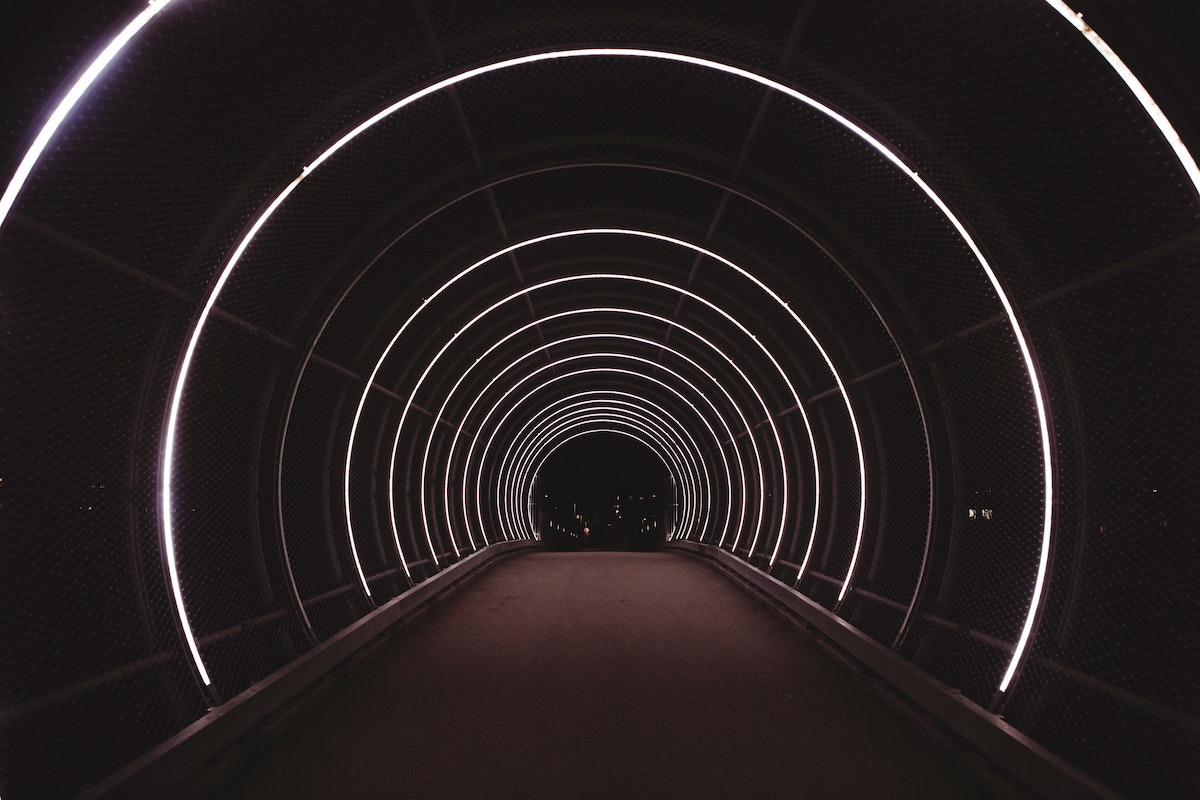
[601, 675]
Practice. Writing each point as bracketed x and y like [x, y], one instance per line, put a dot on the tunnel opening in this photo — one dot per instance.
[603, 491]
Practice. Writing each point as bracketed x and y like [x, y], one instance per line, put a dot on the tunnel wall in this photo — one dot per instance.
[907, 296]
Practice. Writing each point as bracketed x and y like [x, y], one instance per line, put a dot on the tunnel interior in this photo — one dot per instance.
[603, 489]
[894, 303]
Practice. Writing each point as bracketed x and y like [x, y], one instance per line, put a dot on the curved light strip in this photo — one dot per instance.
[699, 498]
[761, 512]
[511, 481]
[669, 535]
[742, 328]
[526, 444]
[470, 323]
[866, 137]
[670, 287]
[1148, 103]
[588, 371]
[544, 320]
[650, 281]
[181, 377]
[526, 470]
[543, 348]
[85, 81]
[8, 200]
[521, 480]
[590, 432]
[663, 416]
[57, 118]
[619, 337]
[693, 516]
[684, 381]
[712, 433]
[589, 426]
[532, 451]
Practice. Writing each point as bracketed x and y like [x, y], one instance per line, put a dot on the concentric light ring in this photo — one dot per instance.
[183, 368]
[625, 338]
[527, 451]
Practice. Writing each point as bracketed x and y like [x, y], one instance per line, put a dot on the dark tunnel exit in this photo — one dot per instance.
[604, 491]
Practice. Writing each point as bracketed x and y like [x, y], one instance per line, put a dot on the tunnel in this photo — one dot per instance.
[308, 309]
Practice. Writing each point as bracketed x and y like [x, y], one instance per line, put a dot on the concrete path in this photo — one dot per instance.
[601, 675]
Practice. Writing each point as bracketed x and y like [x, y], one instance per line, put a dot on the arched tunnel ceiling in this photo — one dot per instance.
[296, 300]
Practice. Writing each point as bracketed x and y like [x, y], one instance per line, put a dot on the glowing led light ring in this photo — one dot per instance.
[533, 468]
[511, 477]
[59, 116]
[720, 259]
[532, 449]
[507, 414]
[670, 287]
[889, 155]
[728, 359]
[47, 132]
[707, 374]
[518, 478]
[712, 433]
[523, 483]
[467, 326]
[8, 200]
[525, 468]
[510, 481]
[588, 371]
[585, 337]
[544, 320]
[1139, 91]
[543, 348]
[453, 390]
[589, 428]
[687, 465]
[638, 402]
[845, 122]
[589, 433]
[499, 303]
[526, 443]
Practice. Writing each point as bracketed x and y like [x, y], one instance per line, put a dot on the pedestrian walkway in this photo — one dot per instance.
[601, 675]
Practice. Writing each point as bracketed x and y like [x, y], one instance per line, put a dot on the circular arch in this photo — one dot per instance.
[526, 467]
[664, 348]
[530, 452]
[669, 323]
[543, 423]
[839, 118]
[552, 366]
[590, 432]
[862, 487]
